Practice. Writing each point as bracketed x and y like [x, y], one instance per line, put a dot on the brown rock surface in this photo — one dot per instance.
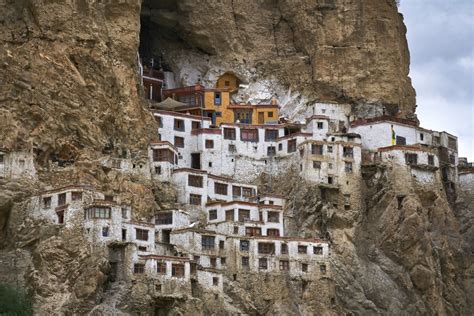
[69, 90]
[332, 50]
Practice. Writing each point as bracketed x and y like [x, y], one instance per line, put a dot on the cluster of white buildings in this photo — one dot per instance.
[225, 227]
[237, 232]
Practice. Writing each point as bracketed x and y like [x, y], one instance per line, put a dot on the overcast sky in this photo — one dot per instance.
[441, 42]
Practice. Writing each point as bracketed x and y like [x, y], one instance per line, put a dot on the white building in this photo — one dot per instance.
[387, 131]
[197, 187]
[296, 256]
[245, 218]
[17, 164]
[163, 159]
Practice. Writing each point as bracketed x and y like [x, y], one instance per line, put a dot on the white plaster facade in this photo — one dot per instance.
[378, 134]
[17, 164]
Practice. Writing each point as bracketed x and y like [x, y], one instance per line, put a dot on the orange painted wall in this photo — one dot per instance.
[227, 116]
[233, 81]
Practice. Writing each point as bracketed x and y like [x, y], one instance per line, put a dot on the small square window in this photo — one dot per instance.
[195, 125]
[431, 160]
[138, 268]
[330, 165]
[270, 114]
[179, 141]
[280, 147]
[212, 214]
[105, 231]
[179, 125]
[158, 170]
[217, 98]
[302, 249]
[304, 267]
[320, 125]
[215, 281]
[317, 164]
[47, 202]
[329, 149]
[209, 143]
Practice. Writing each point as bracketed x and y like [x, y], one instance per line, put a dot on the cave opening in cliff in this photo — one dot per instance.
[157, 23]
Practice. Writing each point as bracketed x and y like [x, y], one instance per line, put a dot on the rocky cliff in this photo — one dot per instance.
[70, 92]
[300, 51]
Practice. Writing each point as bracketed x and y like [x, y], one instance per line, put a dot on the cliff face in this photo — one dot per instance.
[70, 91]
[69, 78]
[331, 50]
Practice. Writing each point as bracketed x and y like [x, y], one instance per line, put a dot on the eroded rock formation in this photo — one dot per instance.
[70, 92]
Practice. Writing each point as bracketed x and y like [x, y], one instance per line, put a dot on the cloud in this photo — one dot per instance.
[440, 38]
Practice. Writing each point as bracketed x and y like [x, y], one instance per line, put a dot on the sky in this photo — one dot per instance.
[441, 43]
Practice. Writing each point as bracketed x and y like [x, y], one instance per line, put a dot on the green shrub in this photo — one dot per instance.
[14, 301]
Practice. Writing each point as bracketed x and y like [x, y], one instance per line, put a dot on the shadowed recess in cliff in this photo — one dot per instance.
[326, 50]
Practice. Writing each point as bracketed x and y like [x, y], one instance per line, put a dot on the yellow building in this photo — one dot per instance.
[216, 104]
[255, 113]
[228, 81]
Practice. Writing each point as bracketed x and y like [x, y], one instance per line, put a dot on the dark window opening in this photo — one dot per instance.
[266, 247]
[141, 234]
[220, 188]
[401, 140]
[229, 133]
[62, 199]
[284, 265]
[316, 149]
[212, 214]
[60, 216]
[194, 199]
[164, 218]
[195, 181]
[217, 98]
[177, 270]
[138, 268]
[292, 145]
[271, 134]
[207, 242]
[179, 125]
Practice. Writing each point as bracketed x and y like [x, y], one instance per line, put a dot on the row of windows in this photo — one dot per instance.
[269, 248]
[347, 166]
[178, 124]
[164, 155]
[412, 159]
[221, 188]
[75, 196]
[244, 215]
[284, 265]
[102, 212]
[177, 269]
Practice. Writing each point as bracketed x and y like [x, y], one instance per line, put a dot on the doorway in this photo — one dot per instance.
[196, 161]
